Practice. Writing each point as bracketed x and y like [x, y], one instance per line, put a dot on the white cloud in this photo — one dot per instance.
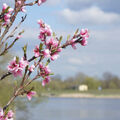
[9, 2]
[75, 61]
[31, 33]
[106, 5]
[81, 60]
[53, 2]
[48, 2]
[93, 15]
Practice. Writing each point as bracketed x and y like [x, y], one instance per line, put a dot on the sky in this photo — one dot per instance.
[101, 17]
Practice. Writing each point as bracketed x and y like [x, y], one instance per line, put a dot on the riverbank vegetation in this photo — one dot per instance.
[109, 84]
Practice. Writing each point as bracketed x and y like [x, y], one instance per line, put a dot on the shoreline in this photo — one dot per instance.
[82, 95]
[79, 95]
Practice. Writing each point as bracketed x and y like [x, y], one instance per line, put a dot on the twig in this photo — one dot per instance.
[12, 33]
[32, 3]
[22, 87]
[5, 75]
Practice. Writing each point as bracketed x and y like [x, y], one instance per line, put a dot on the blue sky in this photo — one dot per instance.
[102, 18]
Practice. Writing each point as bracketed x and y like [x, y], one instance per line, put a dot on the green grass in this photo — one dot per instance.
[104, 92]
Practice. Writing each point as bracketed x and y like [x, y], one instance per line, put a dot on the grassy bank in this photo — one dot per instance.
[106, 93]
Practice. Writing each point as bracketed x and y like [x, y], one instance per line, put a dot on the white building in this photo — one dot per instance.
[83, 88]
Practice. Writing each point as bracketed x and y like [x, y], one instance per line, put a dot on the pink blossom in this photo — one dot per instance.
[5, 6]
[47, 70]
[83, 42]
[84, 33]
[19, 36]
[73, 44]
[7, 14]
[7, 17]
[18, 72]
[37, 51]
[46, 53]
[44, 71]
[45, 31]
[6, 22]
[23, 9]
[42, 35]
[59, 49]
[19, 2]
[31, 69]
[41, 66]
[23, 63]
[41, 23]
[12, 65]
[54, 56]
[17, 68]
[1, 113]
[10, 114]
[48, 30]
[30, 94]
[40, 2]
[52, 43]
[45, 81]
[10, 10]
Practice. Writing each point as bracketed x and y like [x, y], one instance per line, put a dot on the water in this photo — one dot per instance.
[76, 109]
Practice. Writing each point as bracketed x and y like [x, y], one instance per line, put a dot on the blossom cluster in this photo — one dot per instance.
[40, 2]
[30, 94]
[6, 14]
[52, 46]
[4, 116]
[44, 73]
[19, 3]
[16, 67]
[84, 35]
[49, 48]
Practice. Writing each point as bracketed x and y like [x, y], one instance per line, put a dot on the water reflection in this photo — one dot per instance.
[75, 109]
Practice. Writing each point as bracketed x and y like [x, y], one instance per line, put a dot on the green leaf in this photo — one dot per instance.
[68, 37]
[60, 39]
[76, 31]
[6, 111]
[21, 32]
[41, 46]
[54, 34]
[24, 48]
[51, 74]
[48, 61]
[17, 59]
[6, 45]
[6, 10]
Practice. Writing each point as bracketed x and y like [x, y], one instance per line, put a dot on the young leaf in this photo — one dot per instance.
[60, 39]
[6, 45]
[76, 31]
[24, 49]
[17, 59]
[51, 74]
[41, 46]
[54, 34]
[48, 61]
[68, 37]
[21, 32]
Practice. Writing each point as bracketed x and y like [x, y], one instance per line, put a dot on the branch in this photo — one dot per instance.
[7, 48]
[32, 3]
[12, 33]
[8, 73]
[22, 87]
[5, 75]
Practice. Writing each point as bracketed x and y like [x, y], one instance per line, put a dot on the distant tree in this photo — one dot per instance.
[110, 81]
